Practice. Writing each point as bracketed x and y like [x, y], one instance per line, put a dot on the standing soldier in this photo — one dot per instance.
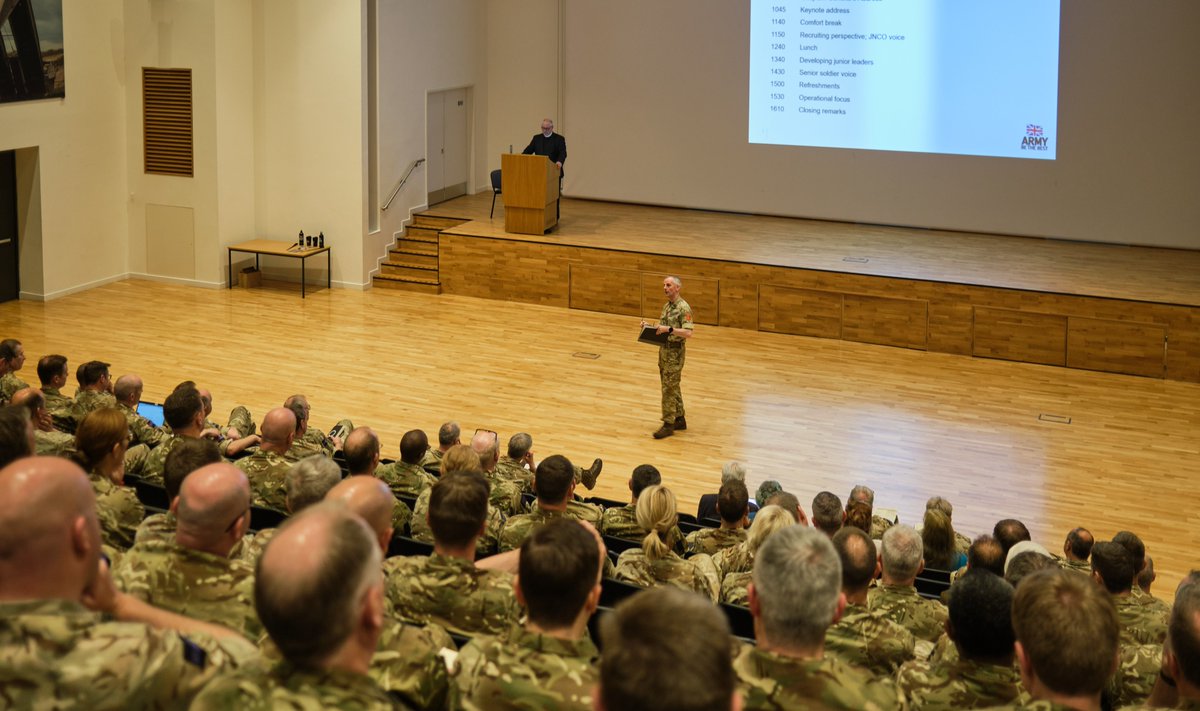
[676, 322]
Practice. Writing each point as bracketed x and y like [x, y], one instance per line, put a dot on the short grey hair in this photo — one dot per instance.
[308, 480]
[902, 552]
[733, 471]
[797, 576]
[448, 434]
[675, 280]
[862, 493]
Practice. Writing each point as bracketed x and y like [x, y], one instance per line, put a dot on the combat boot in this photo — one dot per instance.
[680, 424]
[665, 431]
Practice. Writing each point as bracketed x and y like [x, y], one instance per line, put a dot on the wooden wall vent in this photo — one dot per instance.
[167, 121]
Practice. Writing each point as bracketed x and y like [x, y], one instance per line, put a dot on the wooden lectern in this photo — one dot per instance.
[530, 193]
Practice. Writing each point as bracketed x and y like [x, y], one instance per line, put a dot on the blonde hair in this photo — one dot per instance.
[937, 538]
[460, 458]
[656, 513]
[768, 520]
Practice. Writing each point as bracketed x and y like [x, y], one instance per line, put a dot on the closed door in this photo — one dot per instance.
[10, 274]
[446, 144]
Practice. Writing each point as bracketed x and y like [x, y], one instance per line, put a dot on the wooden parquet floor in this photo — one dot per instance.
[814, 414]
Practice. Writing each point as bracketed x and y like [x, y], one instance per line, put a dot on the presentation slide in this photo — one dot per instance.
[928, 76]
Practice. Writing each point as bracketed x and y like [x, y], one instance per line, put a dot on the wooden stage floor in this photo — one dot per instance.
[1154, 275]
[1054, 447]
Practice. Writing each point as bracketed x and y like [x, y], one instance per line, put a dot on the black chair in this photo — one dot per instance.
[710, 522]
[409, 501]
[687, 527]
[261, 518]
[403, 545]
[687, 518]
[614, 591]
[151, 495]
[460, 640]
[527, 501]
[741, 622]
[620, 545]
[931, 583]
[495, 191]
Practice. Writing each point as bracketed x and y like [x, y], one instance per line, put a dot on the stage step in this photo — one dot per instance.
[409, 271]
[383, 281]
[418, 233]
[413, 258]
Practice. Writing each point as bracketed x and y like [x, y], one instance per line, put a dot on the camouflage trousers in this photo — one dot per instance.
[240, 420]
[670, 369]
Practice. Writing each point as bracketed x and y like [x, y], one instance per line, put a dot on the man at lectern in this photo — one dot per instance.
[549, 144]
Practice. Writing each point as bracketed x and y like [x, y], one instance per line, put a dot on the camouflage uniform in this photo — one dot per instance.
[10, 384]
[161, 528]
[771, 681]
[621, 522]
[964, 684]
[118, 509]
[200, 585]
[252, 551]
[141, 430]
[869, 641]
[287, 687]
[405, 479]
[1033, 705]
[697, 573]
[401, 517]
[1136, 674]
[53, 443]
[1079, 566]
[512, 470]
[736, 559]
[519, 527]
[879, 526]
[735, 589]
[406, 662]
[151, 467]
[525, 670]
[712, 540]
[266, 471]
[676, 314]
[57, 654]
[1141, 623]
[487, 544]
[901, 604]
[61, 409]
[431, 461]
[88, 400]
[452, 593]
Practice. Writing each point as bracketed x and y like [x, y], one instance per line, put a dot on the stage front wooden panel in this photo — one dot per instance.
[1107, 334]
[1021, 336]
[799, 312]
[1116, 347]
[884, 321]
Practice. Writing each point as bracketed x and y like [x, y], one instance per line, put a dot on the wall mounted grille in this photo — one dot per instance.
[167, 121]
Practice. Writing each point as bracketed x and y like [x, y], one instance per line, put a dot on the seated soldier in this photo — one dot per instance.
[320, 595]
[896, 597]
[554, 484]
[183, 412]
[362, 452]
[47, 440]
[1009, 532]
[734, 564]
[518, 465]
[730, 471]
[1141, 561]
[795, 596]
[733, 506]
[459, 458]
[982, 675]
[449, 435]
[1077, 548]
[235, 437]
[666, 629]
[128, 393]
[95, 389]
[863, 638]
[16, 434]
[938, 503]
[506, 494]
[1112, 569]
[549, 662]
[267, 467]
[655, 563]
[185, 458]
[621, 522]
[194, 574]
[12, 358]
[1067, 639]
[446, 587]
[52, 372]
[827, 513]
[865, 495]
[309, 441]
[100, 442]
[1179, 682]
[57, 652]
[406, 477]
[306, 483]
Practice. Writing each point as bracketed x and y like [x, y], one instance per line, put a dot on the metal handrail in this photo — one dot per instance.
[403, 180]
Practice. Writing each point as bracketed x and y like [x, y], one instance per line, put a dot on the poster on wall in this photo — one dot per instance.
[31, 46]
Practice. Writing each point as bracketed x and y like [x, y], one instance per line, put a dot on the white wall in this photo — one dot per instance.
[81, 158]
[425, 47]
[523, 74]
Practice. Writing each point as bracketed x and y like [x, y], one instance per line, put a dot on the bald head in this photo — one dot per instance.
[369, 498]
[319, 588]
[128, 389]
[361, 450]
[213, 509]
[278, 430]
[49, 534]
[487, 446]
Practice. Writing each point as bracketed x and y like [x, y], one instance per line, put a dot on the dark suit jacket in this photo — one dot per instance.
[554, 147]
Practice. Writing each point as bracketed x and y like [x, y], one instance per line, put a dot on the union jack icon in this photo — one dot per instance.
[1032, 130]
